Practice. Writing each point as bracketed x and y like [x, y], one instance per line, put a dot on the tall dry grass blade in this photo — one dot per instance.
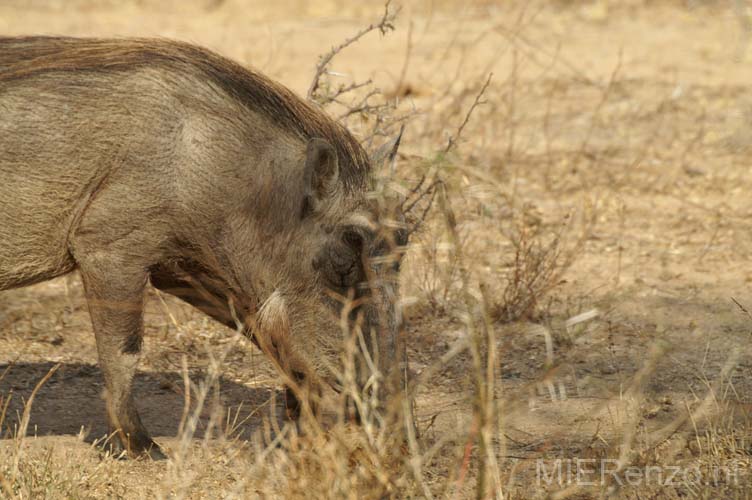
[415, 461]
[187, 385]
[5, 403]
[21, 432]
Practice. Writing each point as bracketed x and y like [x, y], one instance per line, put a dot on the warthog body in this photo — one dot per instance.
[138, 161]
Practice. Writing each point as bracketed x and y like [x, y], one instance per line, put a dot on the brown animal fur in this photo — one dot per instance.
[140, 161]
[21, 58]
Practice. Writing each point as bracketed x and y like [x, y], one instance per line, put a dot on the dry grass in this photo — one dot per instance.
[579, 233]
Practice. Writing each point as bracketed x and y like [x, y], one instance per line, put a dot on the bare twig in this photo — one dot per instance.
[515, 37]
[406, 63]
[363, 106]
[415, 223]
[452, 142]
[343, 89]
[385, 24]
[511, 104]
[604, 99]
[743, 309]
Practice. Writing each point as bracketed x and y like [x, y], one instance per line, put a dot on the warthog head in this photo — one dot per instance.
[339, 284]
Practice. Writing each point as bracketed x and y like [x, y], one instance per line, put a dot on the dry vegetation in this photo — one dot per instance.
[577, 287]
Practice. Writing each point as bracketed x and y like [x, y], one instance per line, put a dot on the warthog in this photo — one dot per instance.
[138, 161]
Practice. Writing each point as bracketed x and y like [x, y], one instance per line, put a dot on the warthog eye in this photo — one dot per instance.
[345, 266]
[340, 264]
[400, 237]
[353, 240]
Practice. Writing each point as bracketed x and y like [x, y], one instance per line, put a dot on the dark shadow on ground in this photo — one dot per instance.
[71, 399]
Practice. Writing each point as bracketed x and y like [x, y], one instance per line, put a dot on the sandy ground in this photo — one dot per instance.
[635, 112]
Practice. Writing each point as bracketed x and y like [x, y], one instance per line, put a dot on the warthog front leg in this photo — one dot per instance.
[115, 297]
[213, 302]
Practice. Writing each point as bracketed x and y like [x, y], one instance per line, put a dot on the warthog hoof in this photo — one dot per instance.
[144, 450]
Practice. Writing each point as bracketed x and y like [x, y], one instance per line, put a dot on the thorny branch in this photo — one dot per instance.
[363, 106]
[452, 142]
[420, 190]
[420, 194]
[385, 24]
[344, 89]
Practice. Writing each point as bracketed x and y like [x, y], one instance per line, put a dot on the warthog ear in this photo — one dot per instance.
[387, 151]
[321, 174]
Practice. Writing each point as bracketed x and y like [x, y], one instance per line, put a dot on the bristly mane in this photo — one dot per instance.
[22, 57]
